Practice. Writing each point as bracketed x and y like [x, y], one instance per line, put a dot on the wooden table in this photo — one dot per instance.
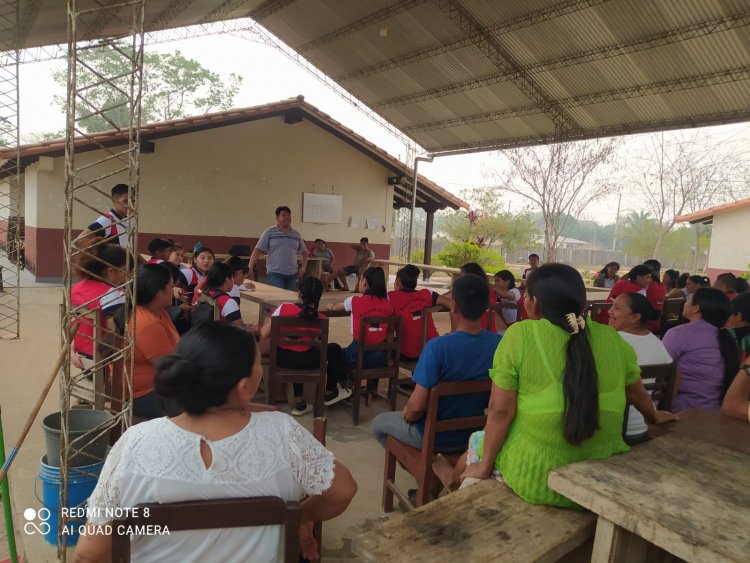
[429, 267]
[681, 492]
[483, 522]
[268, 297]
[708, 427]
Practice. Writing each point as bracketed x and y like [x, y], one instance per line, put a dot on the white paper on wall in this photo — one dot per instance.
[321, 208]
[373, 223]
[355, 222]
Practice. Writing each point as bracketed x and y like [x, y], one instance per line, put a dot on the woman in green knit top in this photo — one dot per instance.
[559, 393]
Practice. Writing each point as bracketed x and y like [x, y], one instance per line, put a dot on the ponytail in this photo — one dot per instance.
[310, 290]
[731, 355]
[561, 297]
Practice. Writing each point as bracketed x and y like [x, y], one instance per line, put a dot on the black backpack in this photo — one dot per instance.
[205, 309]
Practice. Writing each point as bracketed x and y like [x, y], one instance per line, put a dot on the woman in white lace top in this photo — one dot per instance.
[216, 449]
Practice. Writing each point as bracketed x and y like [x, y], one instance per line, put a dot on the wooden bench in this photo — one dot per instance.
[483, 522]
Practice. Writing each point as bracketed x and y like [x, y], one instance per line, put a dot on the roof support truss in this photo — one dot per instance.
[499, 56]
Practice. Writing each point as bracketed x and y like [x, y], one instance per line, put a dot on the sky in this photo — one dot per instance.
[269, 76]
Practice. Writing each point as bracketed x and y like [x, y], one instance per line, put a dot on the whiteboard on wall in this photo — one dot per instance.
[321, 208]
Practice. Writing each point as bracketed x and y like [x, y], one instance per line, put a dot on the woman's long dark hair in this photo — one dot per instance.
[559, 292]
[507, 275]
[715, 308]
[217, 274]
[310, 291]
[375, 278]
[208, 363]
[93, 263]
[150, 280]
[603, 271]
[674, 275]
[639, 305]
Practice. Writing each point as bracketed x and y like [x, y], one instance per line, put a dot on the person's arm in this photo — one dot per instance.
[638, 396]
[345, 306]
[416, 406]
[253, 260]
[93, 548]
[333, 258]
[444, 300]
[334, 500]
[737, 400]
[599, 280]
[501, 412]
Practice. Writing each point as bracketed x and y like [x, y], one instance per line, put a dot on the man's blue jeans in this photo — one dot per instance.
[283, 281]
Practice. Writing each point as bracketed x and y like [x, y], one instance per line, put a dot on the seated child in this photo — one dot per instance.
[739, 324]
[372, 303]
[218, 283]
[177, 256]
[463, 355]
[160, 250]
[408, 303]
[507, 292]
[190, 277]
[306, 356]
[239, 272]
[477, 270]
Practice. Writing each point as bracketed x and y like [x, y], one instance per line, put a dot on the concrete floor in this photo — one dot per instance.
[25, 365]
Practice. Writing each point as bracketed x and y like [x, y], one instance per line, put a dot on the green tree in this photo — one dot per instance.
[173, 87]
[456, 254]
[639, 234]
[488, 223]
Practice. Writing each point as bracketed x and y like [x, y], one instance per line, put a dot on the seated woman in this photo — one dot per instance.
[240, 271]
[372, 303]
[155, 336]
[217, 448]
[669, 280]
[629, 315]
[328, 272]
[706, 354]
[477, 270]
[507, 292]
[636, 280]
[177, 256]
[736, 402]
[694, 283]
[215, 289]
[305, 356]
[409, 303]
[99, 272]
[739, 323]
[560, 386]
[607, 276]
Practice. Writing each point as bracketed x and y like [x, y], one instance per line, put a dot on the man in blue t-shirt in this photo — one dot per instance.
[463, 355]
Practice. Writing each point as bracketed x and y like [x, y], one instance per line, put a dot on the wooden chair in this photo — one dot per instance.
[418, 461]
[290, 331]
[671, 314]
[659, 381]
[392, 348]
[411, 366]
[212, 514]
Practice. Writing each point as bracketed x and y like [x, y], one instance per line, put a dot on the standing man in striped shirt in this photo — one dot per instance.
[285, 247]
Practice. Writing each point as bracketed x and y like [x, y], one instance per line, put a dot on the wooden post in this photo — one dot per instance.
[429, 226]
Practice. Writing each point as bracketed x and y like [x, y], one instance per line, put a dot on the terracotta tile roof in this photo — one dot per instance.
[152, 131]
[707, 215]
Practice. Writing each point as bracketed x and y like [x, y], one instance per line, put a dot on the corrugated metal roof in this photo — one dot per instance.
[707, 215]
[429, 193]
[477, 74]
[469, 74]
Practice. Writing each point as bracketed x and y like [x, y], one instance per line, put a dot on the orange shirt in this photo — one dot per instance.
[154, 336]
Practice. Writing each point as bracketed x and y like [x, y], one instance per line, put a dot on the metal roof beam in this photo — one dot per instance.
[718, 118]
[684, 83]
[526, 20]
[175, 8]
[501, 58]
[681, 34]
[28, 17]
[676, 35]
[269, 8]
[367, 21]
[221, 11]
[107, 13]
[471, 119]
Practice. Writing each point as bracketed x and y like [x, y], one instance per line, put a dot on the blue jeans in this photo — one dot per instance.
[371, 359]
[393, 424]
[283, 281]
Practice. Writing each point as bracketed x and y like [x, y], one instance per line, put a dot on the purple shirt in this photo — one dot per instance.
[695, 349]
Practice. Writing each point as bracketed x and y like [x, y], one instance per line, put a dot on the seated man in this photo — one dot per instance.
[463, 355]
[737, 400]
[361, 261]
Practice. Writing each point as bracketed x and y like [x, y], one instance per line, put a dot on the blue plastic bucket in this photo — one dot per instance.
[81, 483]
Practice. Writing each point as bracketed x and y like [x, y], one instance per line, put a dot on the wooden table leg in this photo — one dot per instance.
[613, 544]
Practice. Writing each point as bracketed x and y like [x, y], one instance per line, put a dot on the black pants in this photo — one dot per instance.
[310, 359]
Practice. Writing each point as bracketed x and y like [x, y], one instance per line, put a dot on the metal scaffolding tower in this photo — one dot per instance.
[11, 249]
[88, 178]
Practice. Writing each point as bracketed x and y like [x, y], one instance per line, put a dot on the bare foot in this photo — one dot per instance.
[444, 471]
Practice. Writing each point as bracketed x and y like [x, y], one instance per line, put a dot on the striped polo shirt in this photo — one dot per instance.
[282, 248]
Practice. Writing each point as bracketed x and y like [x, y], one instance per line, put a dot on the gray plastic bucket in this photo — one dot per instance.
[80, 421]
